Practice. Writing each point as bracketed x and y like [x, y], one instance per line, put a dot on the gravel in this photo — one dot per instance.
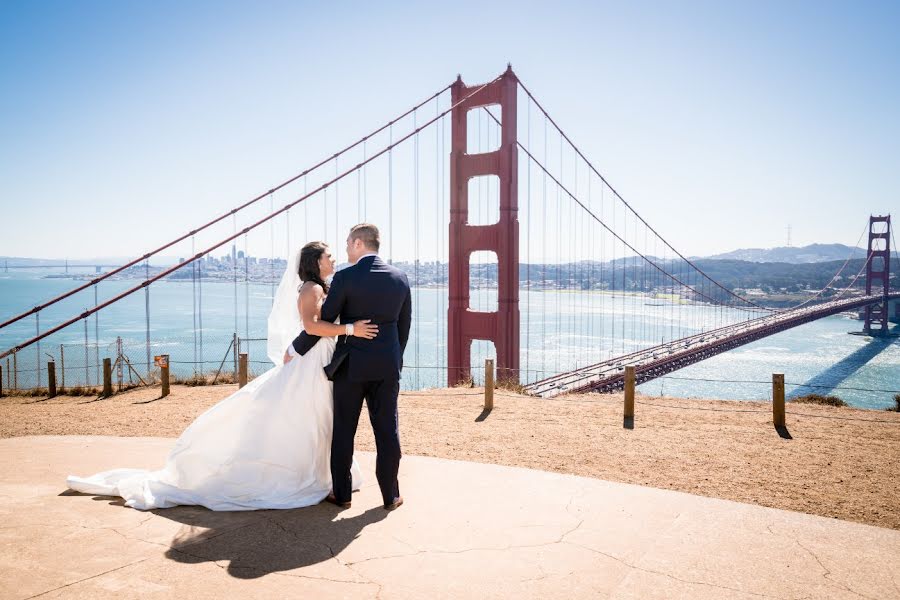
[840, 462]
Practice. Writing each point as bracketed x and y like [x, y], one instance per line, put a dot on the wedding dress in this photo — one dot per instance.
[268, 445]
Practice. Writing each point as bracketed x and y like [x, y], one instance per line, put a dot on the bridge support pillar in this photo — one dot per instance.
[502, 238]
[878, 274]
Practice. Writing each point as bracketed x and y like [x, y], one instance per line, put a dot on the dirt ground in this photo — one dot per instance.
[839, 462]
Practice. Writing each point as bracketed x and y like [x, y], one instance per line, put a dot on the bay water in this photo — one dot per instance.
[195, 324]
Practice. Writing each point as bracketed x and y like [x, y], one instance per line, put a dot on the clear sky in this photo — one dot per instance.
[125, 123]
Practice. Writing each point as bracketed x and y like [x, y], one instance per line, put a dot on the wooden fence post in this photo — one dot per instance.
[778, 399]
[51, 379]
[107, 378]
[164, 375]
[242, 370]
[629, 394]
[489, 384]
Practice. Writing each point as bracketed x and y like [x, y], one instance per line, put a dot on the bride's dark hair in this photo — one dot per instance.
[308, 269]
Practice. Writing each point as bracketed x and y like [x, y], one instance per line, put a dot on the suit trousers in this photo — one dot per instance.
[381, 400]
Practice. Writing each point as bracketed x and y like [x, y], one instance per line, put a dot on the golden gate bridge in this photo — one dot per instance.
[521, 240]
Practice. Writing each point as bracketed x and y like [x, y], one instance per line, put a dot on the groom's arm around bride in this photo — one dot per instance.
[366, 369]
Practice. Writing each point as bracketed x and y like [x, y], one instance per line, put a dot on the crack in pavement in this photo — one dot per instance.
[349, 566]
[87, 578]
[561, 539]
[667, 575]
[330, 550]
[827, 573]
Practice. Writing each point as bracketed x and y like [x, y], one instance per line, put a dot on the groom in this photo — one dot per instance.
[366, 369]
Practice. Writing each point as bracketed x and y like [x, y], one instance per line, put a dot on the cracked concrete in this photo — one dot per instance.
[466, 530]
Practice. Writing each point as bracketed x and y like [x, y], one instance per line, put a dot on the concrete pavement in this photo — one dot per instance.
[467, 530]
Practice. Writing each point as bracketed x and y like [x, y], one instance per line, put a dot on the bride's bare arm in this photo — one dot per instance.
[310, 305]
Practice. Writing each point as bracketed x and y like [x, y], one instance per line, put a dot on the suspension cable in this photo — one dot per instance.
[613, 190]
[233, 211]
[265, 219]
[596, 218]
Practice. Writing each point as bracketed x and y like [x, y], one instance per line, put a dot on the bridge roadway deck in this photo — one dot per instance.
[657, 361]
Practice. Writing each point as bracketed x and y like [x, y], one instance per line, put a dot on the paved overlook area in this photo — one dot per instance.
[466, 530]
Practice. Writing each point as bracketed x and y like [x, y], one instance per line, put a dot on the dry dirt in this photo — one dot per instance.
[841, 462]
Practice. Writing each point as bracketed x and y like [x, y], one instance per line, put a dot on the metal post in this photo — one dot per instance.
[164, 375]
[97, 335]
[51, 379]
[119, 361]
[87, 358]
[147, 313]
[107, 378]
[629, 392]
[1, 378]
[194, 303]
[200, 308]
[37, 327]
[778, 399]
[236, 347]
[62, 366]
[489, 384]
[15, 370]
[242, 370]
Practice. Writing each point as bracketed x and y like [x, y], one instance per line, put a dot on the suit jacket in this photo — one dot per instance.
[370, 289]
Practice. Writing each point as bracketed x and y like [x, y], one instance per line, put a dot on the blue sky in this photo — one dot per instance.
[124, 124]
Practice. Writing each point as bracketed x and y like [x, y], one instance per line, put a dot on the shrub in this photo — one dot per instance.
[896, 407]
[80, 391]
[819, 399]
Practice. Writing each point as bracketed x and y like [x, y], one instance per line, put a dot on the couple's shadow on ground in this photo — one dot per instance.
[257, 543]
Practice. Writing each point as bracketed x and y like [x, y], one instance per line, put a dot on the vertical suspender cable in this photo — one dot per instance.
[146, 314]
[438, 130]
[528, 291]
[546, 262]
[416, 236]
[602, 283]
[365, 211]
[246, 287]
[592, 257]
[194, 300]
[305, 215]
[272, 248]
[337, 200]
[199, 309]
[234, 273]
[391, 194]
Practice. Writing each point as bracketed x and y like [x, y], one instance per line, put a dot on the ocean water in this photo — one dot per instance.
[196, 324]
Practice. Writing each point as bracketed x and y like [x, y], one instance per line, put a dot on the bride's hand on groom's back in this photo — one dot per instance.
[365, 329]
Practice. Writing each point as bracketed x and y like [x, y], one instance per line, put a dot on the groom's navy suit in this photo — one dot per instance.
[366, 369]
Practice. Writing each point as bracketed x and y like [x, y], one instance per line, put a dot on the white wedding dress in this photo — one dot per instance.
[268, 445]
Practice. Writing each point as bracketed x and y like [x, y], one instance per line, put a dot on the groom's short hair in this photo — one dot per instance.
[368, 233]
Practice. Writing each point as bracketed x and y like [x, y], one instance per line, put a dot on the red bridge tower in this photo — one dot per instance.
[878, 274]
[502, 237]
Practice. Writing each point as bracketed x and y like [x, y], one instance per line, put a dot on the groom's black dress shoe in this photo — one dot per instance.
[332, 500]
[395, 504]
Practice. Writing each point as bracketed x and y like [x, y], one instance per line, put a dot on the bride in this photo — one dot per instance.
[268, 445]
